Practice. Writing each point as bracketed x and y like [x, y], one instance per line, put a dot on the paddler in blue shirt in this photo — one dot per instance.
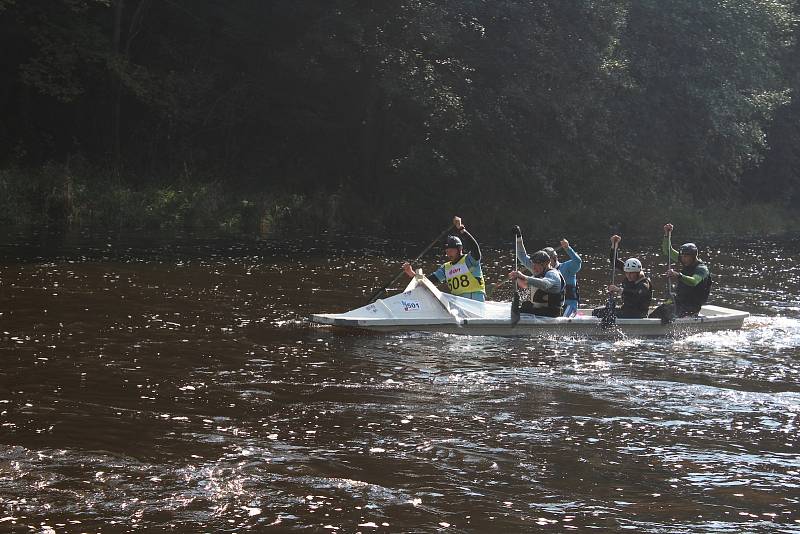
[462, 272]
[568, 269]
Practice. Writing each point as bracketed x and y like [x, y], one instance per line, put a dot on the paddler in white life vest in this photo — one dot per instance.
[549, 284]
[568, 269]
[462, 272]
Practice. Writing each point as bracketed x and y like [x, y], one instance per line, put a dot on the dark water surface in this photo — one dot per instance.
[178, 388]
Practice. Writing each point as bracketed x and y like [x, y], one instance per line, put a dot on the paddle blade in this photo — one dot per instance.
[515, 309]
[610, 316]
[668, 314]
[379, 292]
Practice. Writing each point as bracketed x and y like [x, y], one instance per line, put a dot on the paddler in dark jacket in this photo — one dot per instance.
[463, 271]
[694, 279]
[636, 290]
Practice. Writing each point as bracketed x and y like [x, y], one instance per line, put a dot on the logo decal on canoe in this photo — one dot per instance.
[410, 305]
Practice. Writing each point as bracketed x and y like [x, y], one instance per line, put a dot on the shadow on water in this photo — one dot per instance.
[177, 386]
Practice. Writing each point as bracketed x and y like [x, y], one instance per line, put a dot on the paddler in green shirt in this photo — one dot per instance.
[694, 279]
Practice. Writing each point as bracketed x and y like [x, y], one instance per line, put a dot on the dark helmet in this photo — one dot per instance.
[690, 249]
[453, 242]
[540, 257]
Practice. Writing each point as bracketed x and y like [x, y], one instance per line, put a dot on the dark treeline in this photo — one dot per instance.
[576, 115]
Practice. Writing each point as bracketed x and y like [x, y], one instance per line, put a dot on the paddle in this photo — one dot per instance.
[380, 291]
[515, 298]
[610, 317]
[668, 314]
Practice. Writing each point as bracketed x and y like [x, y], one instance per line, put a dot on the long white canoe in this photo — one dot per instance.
[421, 307]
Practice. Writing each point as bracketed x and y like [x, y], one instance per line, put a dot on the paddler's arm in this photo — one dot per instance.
[437, 276]
[470, 245]
[522, 254]
[665, 248]
[693, 280]
[574, 264]
[547, 283]
[433, 277]
[573, 255]
[619, 265]
[673, 254]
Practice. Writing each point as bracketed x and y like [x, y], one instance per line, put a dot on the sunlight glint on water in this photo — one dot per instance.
[181, 388]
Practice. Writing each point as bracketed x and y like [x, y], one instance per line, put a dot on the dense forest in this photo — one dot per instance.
[265, 115]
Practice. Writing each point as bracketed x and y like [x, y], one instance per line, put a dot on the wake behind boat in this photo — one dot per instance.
[421, 307]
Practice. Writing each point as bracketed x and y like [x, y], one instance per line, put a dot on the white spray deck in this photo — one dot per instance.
[422, 307]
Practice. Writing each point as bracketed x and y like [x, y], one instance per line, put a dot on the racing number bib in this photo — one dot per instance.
[460, 279]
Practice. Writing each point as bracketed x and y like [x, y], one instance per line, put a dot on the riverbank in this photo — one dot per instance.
[53, 198]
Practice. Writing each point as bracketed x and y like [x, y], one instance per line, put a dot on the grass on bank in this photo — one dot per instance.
[52, 197]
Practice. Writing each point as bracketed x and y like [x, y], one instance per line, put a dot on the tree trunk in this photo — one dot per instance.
[370, 141]
[120, 57]
[116, 89]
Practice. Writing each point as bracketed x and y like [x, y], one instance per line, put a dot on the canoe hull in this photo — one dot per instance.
[575, 327]
[423, 308]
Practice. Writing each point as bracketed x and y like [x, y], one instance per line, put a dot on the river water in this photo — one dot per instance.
[177, 386]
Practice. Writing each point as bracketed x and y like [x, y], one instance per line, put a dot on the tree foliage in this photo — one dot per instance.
[402, 108]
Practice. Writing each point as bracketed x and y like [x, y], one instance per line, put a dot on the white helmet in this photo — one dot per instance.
[632, 265]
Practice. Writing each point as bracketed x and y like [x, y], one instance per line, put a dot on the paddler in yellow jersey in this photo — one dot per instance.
[462, 272]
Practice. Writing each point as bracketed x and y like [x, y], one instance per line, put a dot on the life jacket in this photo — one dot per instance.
[553, 302]
[570, 291]
[460, 279]
[692, 297]
[636, 306]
